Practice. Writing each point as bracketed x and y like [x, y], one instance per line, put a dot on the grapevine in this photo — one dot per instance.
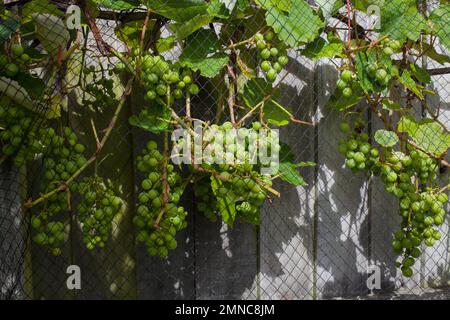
[168, 61]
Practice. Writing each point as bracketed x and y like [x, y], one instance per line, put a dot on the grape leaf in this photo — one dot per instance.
[165, 44]
[153, 119]
[178, 10]
[298, 25]
[118, 4]
[225, 204]
[320, 48]
[290, 174]
[283, 5]
[41, 6]
[202, 53]
[401, 20]
[421, 74]
[427, 134]
[254, 94]
[130, 32]
[441, 19]
[431, 52]
[7, 27]
[185, 29]
[386, 138]
[406, 80]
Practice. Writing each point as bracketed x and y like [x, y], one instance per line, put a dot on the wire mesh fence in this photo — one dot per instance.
[321, 231]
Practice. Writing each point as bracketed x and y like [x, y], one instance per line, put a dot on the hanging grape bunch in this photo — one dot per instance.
[162, 78]
[239, 184]
[205, 201]
[63, 156]
[18, 136]
[159, 217]
[272, 53]
[360, 155]
[404, 175]
[345, 83]
[97, 209]
[15, 61]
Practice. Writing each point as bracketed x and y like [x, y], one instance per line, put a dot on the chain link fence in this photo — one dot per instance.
[328, 239]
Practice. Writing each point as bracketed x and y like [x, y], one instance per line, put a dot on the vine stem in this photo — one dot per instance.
[165, 184]
[63, 185]
[349, 22]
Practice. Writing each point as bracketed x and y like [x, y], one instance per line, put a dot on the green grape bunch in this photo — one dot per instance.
[14, 61]
[62, 158]
[241, 183]
[19, 137]
[97, 210]
[205, 201]
[162, 78]
[158, 218]
[411, 177]
[273, 54]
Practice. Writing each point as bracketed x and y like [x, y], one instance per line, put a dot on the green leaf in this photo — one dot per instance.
[289, 173]
[421, 74]
[298, 25]
[363, 5]
[185, 29]
[225, 204]
[203, 53]
[406, 80]
[254, 94]
[283, 5]
[431, 52]
[386, 138]
[441, 20]
[118, 4]
[320, 48]
[219, 9]
[178, 10]
[166, 44]
[154, 119]
[401, 20]
[427, 134]
[130, 32]
[7, 27]
[276, 114]
[41, 6]
[391, 105]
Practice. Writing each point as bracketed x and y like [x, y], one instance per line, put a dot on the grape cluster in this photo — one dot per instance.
[391, 46]
[18, 134]
[345, 83]
[239, 182]
[97, 209]
[359, 153]
[274, 57]
[100, 91]
[404, 175]
[161, 78]
[63, 156]
[16, 60]
[205, 202]
[158, 222]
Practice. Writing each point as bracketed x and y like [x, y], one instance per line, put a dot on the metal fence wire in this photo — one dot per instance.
[324, 239]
